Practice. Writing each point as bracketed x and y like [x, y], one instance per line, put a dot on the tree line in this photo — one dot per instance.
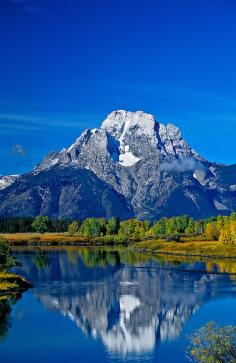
[222, 228]
[24, 224]
[167, 228]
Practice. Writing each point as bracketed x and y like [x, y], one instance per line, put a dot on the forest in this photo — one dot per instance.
[220, 228]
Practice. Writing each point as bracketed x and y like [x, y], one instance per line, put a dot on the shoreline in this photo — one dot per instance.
[185, 248]
[11, 283]
[178, 254]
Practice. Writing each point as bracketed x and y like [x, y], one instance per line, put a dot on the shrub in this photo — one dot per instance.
[7, 259]
[112, 240]
[211, 344]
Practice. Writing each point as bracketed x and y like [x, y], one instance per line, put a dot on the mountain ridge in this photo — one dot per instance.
[144, 162]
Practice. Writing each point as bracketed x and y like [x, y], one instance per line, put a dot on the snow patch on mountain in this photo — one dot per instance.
[192, 197]
[220, 206]
[120, 122]
[126, 157]
[7, 180]
[54, 161]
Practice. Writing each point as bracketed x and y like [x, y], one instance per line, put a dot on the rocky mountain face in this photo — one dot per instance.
[144, 164]
[7, 180]
[63, 192]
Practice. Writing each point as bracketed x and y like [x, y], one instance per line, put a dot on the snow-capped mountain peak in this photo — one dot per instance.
[146, 166]
[120, 122]
[126, 137]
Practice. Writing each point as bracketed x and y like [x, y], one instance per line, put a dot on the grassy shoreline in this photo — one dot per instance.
[185, 248]
[11, 283]
[37, 239]
[204, 249]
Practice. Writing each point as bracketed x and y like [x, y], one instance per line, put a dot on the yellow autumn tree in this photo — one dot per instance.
[211, 231]
[228, 233]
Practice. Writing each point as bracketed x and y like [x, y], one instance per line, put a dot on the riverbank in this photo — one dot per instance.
[191, 248]
[44, 239]
[11, 283]
[207, 249]
[61, 239]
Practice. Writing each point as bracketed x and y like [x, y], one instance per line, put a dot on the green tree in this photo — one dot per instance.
[93, 227]
[162, 225]
[191, 227]
[40, 224]
[7, 259]
[73, 228]
[133, 228]
[183, 223]
[199, 227]
[113, 226]
[211, 344]
[159, 228]
[171, 226]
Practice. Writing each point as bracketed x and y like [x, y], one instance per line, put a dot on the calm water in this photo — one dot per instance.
[112, 306]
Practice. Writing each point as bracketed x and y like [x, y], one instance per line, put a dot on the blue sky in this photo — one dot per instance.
[66, 64]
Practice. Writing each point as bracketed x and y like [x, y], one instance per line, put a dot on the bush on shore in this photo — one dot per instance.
[211, 344]
[7, 259]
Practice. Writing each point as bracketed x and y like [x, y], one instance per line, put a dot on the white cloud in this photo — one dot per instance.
[19, 150]
[181, 165]
[10, 121]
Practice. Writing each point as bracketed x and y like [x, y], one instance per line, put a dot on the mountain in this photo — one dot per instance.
[65, 192]
[131, 165]
[7, 180]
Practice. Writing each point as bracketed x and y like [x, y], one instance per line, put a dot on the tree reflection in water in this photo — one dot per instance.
[6, 303]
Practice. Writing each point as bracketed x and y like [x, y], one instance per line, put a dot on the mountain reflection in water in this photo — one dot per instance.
[129, 302]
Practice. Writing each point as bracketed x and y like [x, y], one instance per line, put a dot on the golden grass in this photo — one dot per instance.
[15, 239]
[7, 286]
[188, 248]
[11, 282]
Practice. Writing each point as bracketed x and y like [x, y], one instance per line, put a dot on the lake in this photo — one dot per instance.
[108, 305]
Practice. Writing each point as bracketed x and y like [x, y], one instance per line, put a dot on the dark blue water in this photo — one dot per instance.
[111, 306]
